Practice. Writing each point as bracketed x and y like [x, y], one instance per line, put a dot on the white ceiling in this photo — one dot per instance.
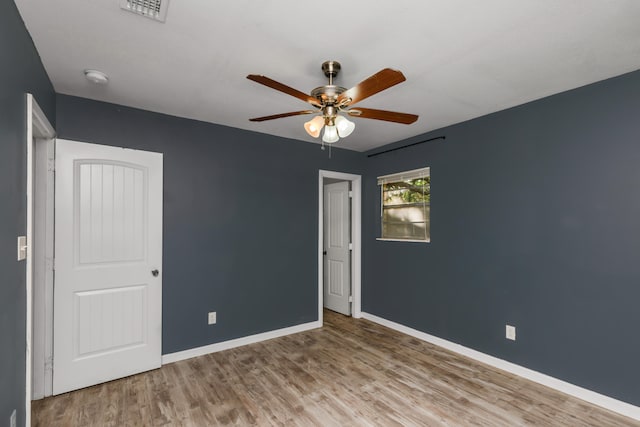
[462, 58]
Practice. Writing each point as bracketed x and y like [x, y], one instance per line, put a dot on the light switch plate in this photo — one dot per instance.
[22, 247]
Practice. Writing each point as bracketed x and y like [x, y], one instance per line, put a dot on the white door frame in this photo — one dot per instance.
[42, 255]
[38, 127]
[356, 224]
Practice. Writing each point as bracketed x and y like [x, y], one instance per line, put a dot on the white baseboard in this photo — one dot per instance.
[226, 345]
[598, 399]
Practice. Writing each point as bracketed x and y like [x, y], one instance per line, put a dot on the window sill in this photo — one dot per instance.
[402, 240]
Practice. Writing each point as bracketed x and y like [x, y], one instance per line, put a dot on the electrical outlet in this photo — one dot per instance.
[13, 422]
[511, 332]
[212, 318]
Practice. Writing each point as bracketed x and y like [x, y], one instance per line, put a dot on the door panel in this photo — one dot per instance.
[112, 210]
[109, 320]
[336, 275]
[337, 262]
[108, 239]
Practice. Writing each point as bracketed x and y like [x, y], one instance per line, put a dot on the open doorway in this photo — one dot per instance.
[110, 200]
[339, 245]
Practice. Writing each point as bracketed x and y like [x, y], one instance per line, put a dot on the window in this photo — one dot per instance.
[406, 207]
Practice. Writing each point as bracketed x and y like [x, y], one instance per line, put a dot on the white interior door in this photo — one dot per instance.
[108, 256]
[337, 256]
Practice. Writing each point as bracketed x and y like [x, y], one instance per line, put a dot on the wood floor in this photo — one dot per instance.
[348, 373]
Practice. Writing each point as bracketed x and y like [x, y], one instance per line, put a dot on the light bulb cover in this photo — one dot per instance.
[314, 126]
[97, 77]
[330, 134]
[344, 126]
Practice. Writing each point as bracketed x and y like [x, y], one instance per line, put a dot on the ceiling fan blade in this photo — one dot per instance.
[279, 116]
[389, 116]
[380, 81]
[263, 80]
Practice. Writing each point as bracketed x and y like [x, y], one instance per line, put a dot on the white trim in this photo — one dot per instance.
[29, 267]
[593, 397]
[238, 342]
[356, 233]
[37, 126]
[41, 125]
[42, 301]
[402, 240]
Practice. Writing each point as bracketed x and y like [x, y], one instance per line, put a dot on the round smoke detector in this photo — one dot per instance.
[97, 77]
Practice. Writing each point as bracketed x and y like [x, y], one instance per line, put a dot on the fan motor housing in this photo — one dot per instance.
[327, 94]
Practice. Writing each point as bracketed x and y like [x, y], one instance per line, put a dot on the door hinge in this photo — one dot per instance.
[350, 193]
[350, 298]
[50, 264]
[350, 246]
[51, 165]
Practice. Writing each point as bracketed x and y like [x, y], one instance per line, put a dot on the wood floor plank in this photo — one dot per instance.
[348, 373]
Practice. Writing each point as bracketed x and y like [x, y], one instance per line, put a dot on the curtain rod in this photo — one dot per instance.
[406, 146]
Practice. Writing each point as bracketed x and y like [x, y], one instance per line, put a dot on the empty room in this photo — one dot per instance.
[220, 214]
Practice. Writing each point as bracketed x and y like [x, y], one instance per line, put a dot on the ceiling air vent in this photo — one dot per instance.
[154, 9]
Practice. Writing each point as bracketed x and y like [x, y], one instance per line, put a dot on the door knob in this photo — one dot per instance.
[155, 273]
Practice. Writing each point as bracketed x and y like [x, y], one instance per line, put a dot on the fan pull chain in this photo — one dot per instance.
[322, 148]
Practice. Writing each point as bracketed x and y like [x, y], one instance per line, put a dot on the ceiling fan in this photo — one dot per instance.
[331, 100]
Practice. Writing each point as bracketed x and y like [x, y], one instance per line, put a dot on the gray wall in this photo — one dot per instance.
[240, 218]
[20, 71]
[535, 222]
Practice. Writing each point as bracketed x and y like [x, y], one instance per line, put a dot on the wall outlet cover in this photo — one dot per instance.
[212, 318]
[511, 332]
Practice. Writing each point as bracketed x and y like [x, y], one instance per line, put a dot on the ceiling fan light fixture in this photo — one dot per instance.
[334, 102]
[344, 126]
[330, 134]
[314, 126]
